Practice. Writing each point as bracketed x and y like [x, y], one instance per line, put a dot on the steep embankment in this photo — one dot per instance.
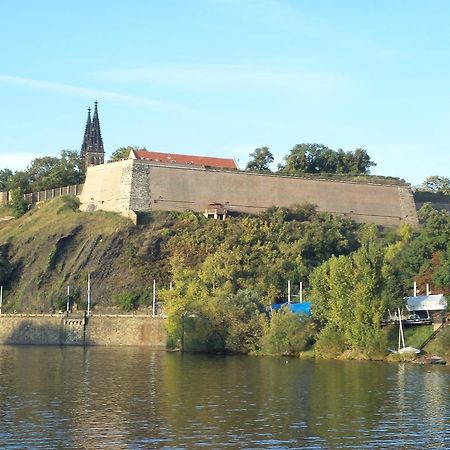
[54, 246]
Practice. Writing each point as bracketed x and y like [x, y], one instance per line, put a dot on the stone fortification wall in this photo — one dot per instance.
[145, 186]
[437, 201]
[98, 330]
[126, 330]
[108, 187]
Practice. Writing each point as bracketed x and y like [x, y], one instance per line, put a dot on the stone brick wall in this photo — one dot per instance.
[174, 188]
[108, 187]
[122, 330]
[145, 186]
[98, 330]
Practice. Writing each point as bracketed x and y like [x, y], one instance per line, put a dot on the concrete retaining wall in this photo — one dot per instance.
[97, 330]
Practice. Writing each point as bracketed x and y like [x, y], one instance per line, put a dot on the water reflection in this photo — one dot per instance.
[137, 398]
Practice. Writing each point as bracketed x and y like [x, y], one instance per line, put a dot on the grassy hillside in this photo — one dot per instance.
[55, 246]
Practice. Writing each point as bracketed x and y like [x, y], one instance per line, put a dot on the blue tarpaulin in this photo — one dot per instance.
[296, 308]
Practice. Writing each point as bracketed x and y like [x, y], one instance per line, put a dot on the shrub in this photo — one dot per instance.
[127, 300]
[288, 334]
[18, 205]
[330, 342]
[70, 203]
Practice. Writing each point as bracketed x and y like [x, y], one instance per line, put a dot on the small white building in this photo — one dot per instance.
[430, 303]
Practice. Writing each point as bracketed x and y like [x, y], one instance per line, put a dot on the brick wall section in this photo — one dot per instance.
[99, 330]
[140, 197]
[142, 331]
[41, 330]
[108, 187]
[145, 186]
[176, 188]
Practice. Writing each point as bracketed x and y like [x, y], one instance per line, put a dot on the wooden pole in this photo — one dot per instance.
[1, 298]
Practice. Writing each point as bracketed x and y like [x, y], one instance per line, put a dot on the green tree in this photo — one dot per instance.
[317, 158]
[5, 179]
[260, 161]
[18, 204]
[123, 153]
[436, 184]
[288, 334]
[49, 172]
[348, 293]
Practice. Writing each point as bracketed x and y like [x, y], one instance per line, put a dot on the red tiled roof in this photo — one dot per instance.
[175, 158]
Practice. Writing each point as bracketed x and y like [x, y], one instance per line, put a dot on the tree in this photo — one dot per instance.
[260, 160]
[18, 204]
[123, 153]
[317, 158]
[437, 184]
[49, 172]
[348, 295]
[5, 178]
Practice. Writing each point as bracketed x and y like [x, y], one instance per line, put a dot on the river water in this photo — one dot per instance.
[115, 398]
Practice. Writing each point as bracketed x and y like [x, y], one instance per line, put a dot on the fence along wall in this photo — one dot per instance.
[42, 196]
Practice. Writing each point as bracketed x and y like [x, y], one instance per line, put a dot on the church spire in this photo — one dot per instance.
[92, 149]
[87, 132]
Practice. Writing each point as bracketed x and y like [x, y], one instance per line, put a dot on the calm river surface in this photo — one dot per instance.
[52, 397]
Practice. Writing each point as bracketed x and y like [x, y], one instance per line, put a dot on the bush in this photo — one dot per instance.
[70, 203]
[441, 344]
[127, 300]
[330, 342]
[18, 205]
[288, 334]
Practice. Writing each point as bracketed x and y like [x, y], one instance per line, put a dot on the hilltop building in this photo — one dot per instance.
[92, 150]
[188, 160]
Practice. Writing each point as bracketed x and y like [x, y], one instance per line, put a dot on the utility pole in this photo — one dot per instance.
[154, 299]
[1, 298]
[289, 291]
[300, 294]
[89, 295]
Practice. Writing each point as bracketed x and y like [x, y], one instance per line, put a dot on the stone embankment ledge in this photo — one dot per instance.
[58, 329]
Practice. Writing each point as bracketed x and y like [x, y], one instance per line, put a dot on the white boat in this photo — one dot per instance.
[401, 339]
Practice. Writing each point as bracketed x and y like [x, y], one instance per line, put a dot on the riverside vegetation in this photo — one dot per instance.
[223, 275]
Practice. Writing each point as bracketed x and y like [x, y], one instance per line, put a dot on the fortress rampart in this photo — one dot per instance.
[141, 186]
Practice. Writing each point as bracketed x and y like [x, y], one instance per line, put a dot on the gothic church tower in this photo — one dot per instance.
[92, 148]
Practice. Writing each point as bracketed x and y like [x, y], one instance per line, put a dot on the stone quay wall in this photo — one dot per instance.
[41, 329]
[143, 186]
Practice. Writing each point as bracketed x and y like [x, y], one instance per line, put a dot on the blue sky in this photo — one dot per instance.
[222, 77]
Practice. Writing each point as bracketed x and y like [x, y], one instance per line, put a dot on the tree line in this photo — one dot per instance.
[225, 275]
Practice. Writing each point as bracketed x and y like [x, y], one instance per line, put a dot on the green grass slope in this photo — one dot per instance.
[54, 246]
